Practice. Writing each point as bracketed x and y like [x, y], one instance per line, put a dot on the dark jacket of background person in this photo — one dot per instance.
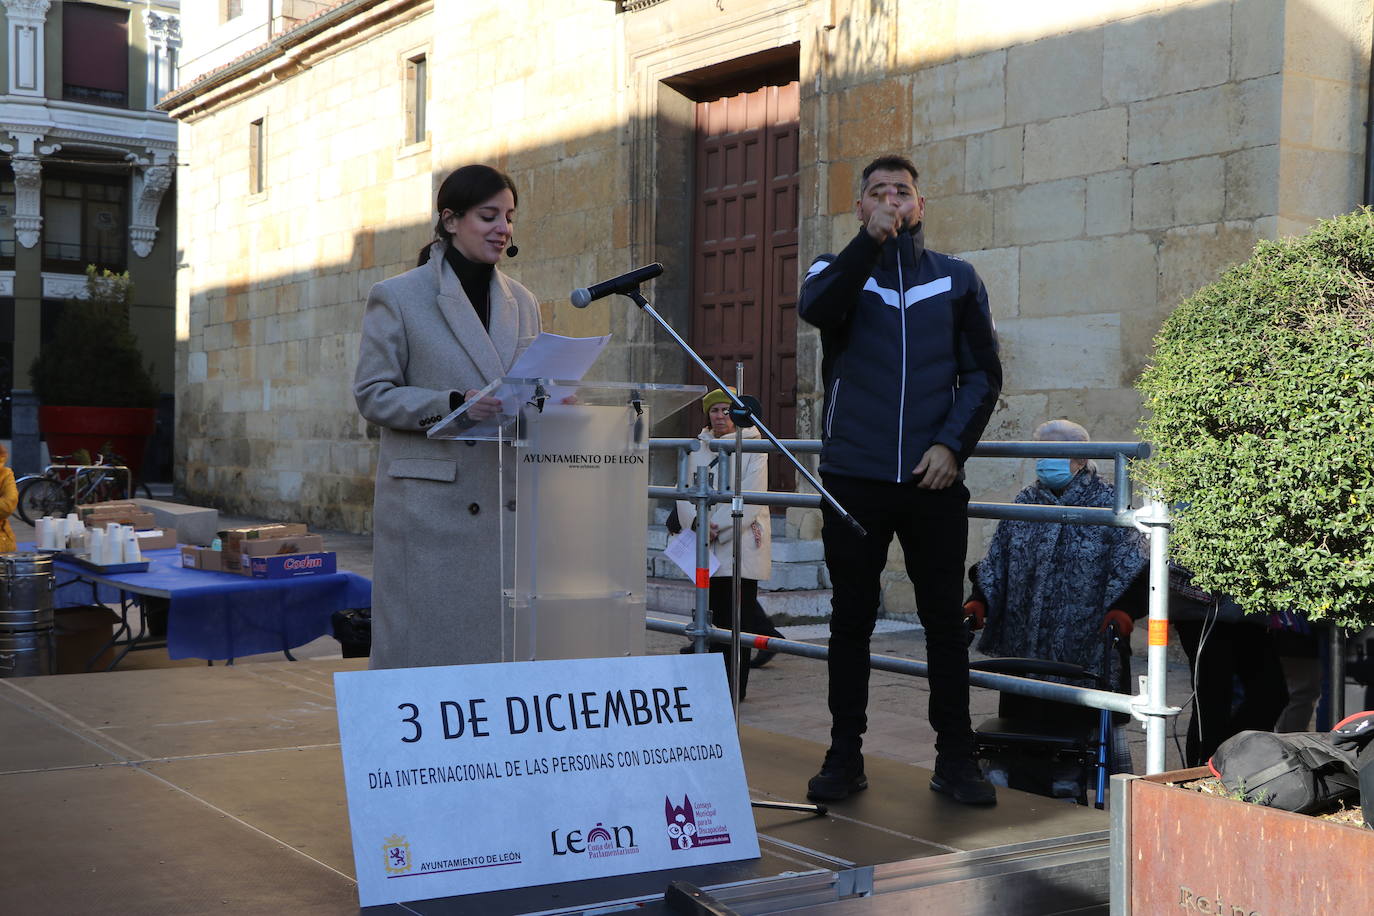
[1224, 648]
[436, 594]
[899, 380]
[1047, 585]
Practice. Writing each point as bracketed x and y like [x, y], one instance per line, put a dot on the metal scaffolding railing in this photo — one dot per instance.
[1149, 705]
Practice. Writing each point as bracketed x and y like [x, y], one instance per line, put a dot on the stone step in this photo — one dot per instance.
[798, 565]
[677, 596]
[194, 524]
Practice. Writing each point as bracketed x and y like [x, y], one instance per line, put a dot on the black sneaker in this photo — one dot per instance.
[841, 775]
[962, 781]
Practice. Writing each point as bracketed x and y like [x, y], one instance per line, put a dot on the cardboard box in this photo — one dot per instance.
[266, 547]
[134, 517]
[113, 505]
[232, 536]
[80, 632]
[202, 558]
[156, 539]
[291, 565]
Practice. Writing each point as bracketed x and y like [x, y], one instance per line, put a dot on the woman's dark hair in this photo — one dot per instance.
[465, 188]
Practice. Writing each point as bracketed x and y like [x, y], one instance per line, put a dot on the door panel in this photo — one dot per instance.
[745, 249]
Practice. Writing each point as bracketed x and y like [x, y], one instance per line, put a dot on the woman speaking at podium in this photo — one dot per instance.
[432, 337]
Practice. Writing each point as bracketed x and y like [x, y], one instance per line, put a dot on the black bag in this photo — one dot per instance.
[1302, 772]
[353, 630]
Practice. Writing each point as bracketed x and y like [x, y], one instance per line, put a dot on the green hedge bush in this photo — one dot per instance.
[1261, 414]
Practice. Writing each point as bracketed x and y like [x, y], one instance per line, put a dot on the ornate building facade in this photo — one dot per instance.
[87, 165]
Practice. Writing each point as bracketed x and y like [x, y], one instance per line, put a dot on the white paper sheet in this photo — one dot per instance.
[682, 550]
[549, 356]
[554, 356]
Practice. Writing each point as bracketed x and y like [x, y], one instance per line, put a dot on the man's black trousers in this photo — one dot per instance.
[932, 527]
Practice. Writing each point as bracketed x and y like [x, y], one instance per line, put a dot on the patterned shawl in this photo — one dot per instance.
[1048, 584]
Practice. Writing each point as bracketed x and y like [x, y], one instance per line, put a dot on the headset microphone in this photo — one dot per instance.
[512, 249]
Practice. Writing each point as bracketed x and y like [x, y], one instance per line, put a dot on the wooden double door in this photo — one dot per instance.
[745, 270]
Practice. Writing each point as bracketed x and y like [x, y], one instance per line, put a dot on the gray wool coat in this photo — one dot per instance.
[436, 588]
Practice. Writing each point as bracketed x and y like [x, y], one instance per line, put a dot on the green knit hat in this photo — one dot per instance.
[715, 397]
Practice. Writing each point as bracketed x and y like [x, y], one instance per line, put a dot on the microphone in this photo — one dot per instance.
[512, 249]
[625, 283]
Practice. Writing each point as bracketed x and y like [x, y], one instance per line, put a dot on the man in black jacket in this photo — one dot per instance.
[911, 377]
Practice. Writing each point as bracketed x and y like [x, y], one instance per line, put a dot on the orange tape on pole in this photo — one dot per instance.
[761, 642]
[1159, 632]
[703, 578]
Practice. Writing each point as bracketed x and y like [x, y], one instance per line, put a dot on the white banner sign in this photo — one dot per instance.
[477, 778]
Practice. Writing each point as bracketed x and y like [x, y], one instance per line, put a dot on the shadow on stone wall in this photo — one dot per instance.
[1094, 177]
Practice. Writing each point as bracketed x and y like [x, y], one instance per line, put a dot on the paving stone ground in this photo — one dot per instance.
[786, 696]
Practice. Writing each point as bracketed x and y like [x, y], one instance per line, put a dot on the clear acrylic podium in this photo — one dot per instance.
[573, 559]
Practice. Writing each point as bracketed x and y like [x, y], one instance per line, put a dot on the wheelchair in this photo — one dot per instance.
[1045, 747]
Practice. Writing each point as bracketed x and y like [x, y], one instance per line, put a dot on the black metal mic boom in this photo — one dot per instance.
[625, 283]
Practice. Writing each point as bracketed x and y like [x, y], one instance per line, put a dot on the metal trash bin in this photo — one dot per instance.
[27, 645]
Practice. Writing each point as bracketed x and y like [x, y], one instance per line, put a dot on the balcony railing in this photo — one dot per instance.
[72, 257]
[114, 98]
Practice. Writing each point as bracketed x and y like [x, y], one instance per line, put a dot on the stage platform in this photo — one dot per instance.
[219, 789]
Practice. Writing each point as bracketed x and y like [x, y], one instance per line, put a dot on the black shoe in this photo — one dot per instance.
[841, 775]
[761, 658]
[962, 781]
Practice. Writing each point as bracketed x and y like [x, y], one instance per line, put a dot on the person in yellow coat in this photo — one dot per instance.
[9, 500]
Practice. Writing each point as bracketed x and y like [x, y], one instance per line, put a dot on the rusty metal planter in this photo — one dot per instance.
[1175, 850]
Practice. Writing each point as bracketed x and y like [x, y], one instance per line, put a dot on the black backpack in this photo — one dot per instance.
[1302, 772]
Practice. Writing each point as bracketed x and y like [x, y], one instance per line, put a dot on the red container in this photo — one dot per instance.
[125, 429]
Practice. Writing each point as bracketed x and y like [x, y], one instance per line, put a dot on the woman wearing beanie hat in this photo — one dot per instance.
[756, 545]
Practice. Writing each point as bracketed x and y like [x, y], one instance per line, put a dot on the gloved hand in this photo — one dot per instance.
[976, 611]
[1118, 618]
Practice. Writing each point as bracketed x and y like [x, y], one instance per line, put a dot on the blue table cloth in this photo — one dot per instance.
[216, 615]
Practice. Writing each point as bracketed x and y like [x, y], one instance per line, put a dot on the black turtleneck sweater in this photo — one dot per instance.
[476, 280]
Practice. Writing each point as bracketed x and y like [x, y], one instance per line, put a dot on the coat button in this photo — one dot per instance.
[474, 508]
[510, 506]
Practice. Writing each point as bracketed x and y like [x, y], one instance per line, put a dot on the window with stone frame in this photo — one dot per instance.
[257, 157]
[85, 221]
[417, 93]
[95, 59]
[230, 9]
[7, 237]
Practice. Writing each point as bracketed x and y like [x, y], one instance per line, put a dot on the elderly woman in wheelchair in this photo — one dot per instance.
[1057, 601]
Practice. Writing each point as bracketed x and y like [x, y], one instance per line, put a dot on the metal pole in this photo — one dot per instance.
[737, 526]
[1010, 683]
[701, 612]
[1336, 673]
[1122, 479]
[1155, 521]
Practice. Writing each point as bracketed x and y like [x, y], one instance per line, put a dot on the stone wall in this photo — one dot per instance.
[1096, 162]
[1096, 171]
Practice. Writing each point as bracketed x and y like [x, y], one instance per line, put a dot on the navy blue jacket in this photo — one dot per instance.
[898, 380]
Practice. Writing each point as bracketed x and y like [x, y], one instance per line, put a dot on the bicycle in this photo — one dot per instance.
[73, 481]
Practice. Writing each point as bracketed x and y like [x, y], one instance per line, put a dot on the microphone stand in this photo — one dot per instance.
[737, 511]
[745, 410]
